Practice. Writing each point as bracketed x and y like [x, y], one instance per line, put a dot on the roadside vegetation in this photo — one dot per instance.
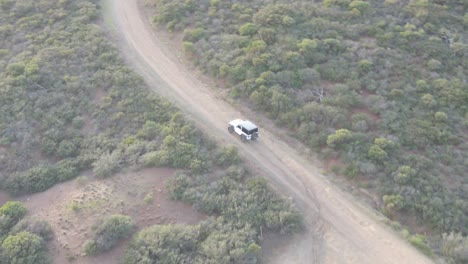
[379, 85]
[68, 104]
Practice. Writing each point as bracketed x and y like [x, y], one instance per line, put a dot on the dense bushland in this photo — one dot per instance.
[382, 84]
[209, 242]
[69, 104]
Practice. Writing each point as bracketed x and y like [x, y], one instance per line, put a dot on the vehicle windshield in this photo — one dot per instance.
[250, 132]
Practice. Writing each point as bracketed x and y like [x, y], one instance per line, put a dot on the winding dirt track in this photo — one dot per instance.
[339, 229]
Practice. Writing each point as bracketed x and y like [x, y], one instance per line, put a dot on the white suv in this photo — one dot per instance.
[245, 129]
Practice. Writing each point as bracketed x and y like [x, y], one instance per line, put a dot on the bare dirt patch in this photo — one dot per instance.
[73, 207]
[4, 197]
[334, 165]
[99, 95]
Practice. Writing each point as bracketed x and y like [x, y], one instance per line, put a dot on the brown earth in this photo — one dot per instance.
[73, 207]
[339, 228]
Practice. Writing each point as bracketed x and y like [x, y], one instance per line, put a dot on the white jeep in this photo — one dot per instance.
[245, 129]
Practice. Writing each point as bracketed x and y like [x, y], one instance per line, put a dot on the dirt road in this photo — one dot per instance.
[339, 229]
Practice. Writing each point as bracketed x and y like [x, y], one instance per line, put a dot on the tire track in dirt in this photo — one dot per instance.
[339, 229]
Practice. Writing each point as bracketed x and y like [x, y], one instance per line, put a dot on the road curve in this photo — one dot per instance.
[339, 229]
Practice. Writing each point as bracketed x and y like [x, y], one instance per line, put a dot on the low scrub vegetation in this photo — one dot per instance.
[251, 204]
[380, 83]
[68, 104]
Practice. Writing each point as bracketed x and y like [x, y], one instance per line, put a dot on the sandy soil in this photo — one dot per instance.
[73, 207]
[339, 229]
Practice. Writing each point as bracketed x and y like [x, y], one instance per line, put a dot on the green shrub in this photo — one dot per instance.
[236, 172]
[107, 164]
[351, 171]
[404, 174]
[175, 244]
[434, 64]
[10, 214]
[68, 148]
[440, 117]
[198, 166]
[156, 158]
[188, 48]
[34, 226]
[36, 179]
[108, 232]
[41, 177]
[248, 29]
[170, 13]
[419, 241]
[24, 248]
[194, 35]
[377, 154]
[90, 247]
[66, 170]
[178, 187]
[359, 5]
[148, 198]
[15, 69]
[365, 66]
[454, 246]
[74, 206]
[13, 210]
[227, 155]
[339, 137]
[393, 202]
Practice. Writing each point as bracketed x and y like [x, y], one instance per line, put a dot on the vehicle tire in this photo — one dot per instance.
[243, 138]
[254, 136]
[231, 129]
